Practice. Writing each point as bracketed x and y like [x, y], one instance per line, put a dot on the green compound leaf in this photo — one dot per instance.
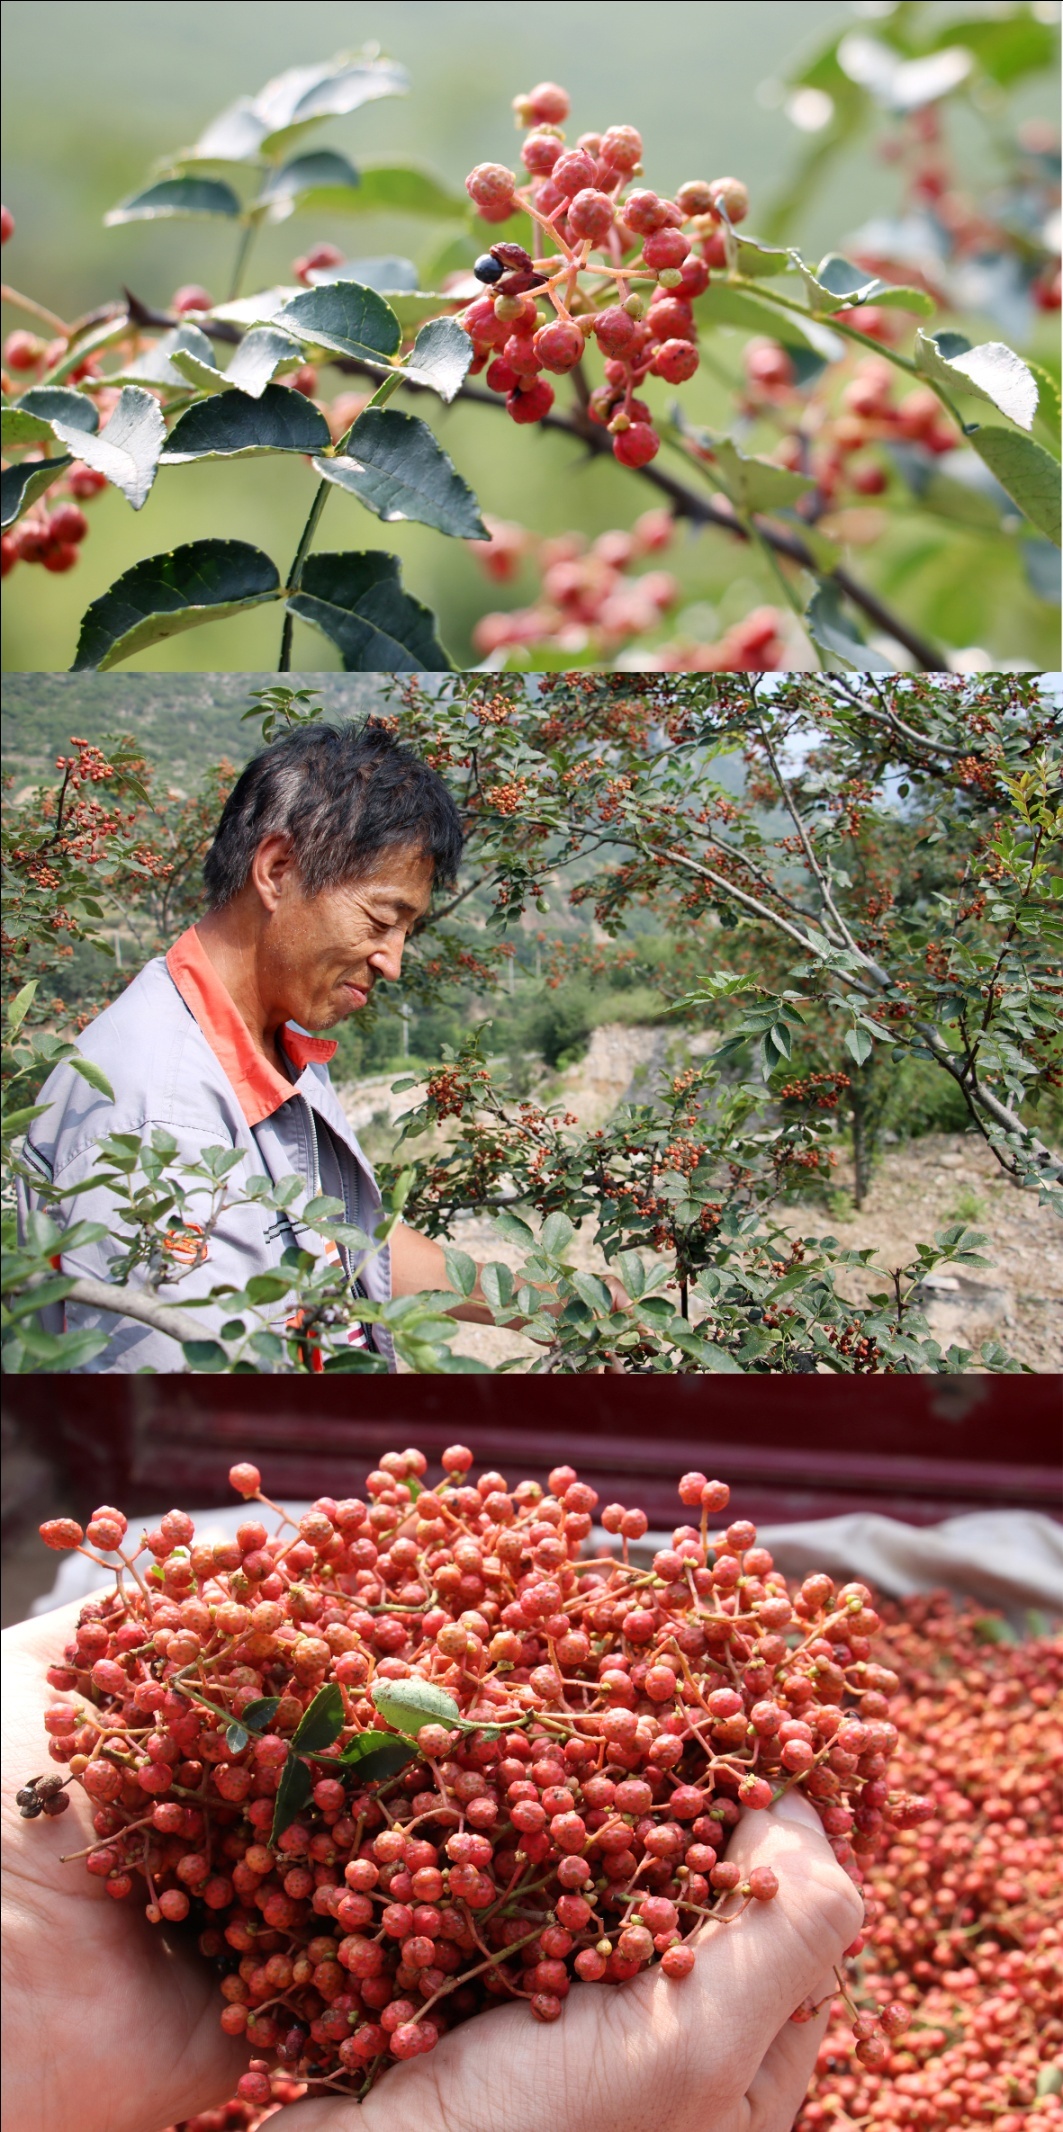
[346, 317]
[991, 372]
[358, 600]
[204, 581]
[233, 425]
[1028, 473]
[127, 450]
[409, 1704]
[398, 469]
[185, 197]
[833, 629]
[31, 419]
[293, 1792]
[440, 357]
[21, 485]
[321, 179]
[321, 1722]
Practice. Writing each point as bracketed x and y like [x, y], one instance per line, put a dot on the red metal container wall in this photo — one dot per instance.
[919, 1448]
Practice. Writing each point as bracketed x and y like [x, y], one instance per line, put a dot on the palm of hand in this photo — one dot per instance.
[119, 2025]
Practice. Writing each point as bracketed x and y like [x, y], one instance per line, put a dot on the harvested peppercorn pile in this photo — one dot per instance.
[421, 1754]
[968, 1935]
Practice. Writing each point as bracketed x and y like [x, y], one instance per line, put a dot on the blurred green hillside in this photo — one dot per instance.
[96, 95]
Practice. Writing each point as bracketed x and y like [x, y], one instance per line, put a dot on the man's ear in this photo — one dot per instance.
[273, 870]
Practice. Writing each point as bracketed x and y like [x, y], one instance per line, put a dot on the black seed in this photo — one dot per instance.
[487, 268]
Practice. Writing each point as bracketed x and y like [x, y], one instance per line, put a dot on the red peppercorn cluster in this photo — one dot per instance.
[580, 1736]
[51, 532]
[612, 236]
[964, 1931]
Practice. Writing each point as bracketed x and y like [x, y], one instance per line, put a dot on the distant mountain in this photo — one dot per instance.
[188, 721]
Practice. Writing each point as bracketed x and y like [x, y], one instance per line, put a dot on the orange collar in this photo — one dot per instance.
[260, 1088]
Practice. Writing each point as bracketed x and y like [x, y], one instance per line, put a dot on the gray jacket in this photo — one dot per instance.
[165, 1073]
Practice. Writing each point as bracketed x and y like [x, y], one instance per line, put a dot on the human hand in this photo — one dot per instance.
[714, 2053]
[111, 2023]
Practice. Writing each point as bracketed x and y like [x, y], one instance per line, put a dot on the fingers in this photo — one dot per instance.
[780, 2083]
[750, 1975]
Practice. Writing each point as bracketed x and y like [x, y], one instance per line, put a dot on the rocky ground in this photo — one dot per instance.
[920, 1186]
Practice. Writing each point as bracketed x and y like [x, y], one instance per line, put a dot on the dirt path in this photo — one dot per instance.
[919, 1187]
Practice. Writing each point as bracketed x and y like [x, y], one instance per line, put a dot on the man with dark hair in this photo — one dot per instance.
[326, 857]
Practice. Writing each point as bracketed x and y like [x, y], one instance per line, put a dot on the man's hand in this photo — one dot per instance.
[715, 2053]
[111, 2023]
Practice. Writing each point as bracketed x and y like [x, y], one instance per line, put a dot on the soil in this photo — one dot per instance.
[919, 1186]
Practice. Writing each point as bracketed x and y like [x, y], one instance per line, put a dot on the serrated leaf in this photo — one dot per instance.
[409, 1704]
[753, 484]
[461, 1270]
[322, 1721]
[235, 425]
[236, 1737]
[204, 581]
[156, 365]
[30, 420]
[953, 485]
[440, 357]
[359, 602]
[832, 628]
[371, 1765]
[632, 1272]
[205, 1356]
[837, 284]
[760, 259]
[593, 1292]
[305, 179]
[293, 1792]
[513, 1228]
[259, 356]
[1049, 406]
[266, 1288]
[19, 1007]
[992, 372]
[496, 1280]
[398, 469]
[21, 485]
[556, 1234]
[346, 317]
[1028, 473]
[93, 1074]
[185, 197]
[127, 450]
[858, 1044]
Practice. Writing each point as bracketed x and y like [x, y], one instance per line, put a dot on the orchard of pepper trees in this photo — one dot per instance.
[873, 895]
[852, 407]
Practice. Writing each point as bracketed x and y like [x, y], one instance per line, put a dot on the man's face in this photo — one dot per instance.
[326, 952]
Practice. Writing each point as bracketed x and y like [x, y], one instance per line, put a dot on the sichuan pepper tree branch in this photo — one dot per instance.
[878, 980]
[685, 501]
